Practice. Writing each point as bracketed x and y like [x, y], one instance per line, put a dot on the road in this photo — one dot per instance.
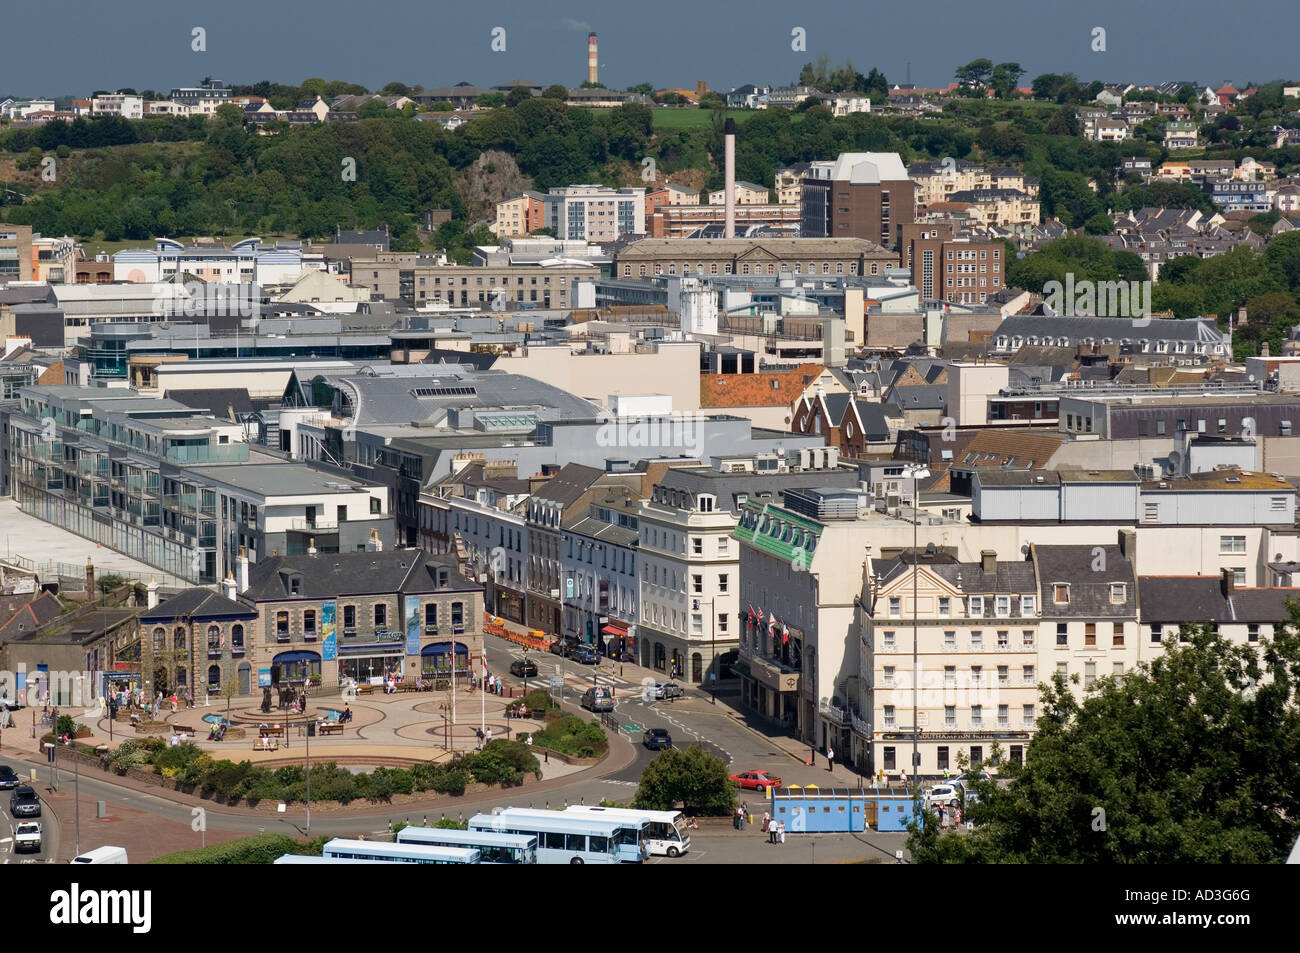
[690, 720]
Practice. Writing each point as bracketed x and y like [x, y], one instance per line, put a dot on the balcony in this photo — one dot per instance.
[860, 726]
[834, 713]
[317, 525]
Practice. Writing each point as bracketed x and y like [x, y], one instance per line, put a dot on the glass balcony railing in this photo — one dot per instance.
[209, 453]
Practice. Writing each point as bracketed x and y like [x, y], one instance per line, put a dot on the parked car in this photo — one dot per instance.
[946, 794]
[8, 779]
[585, 655]
[666, 690]
[757, 780]
[556, 647]
[597, 699]
[657, 738]
[962, 780]
[24, 802]
[27, 836]
[523, 668]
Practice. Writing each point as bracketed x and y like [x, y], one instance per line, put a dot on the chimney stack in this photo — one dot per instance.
[243, 569]
[90, 579]
[729, 184]
[1227, 583]
[989, 561]
[374, 544]
[152, 589]
[311, 546]
[593, 61]
[230, 586]
[1128, 543]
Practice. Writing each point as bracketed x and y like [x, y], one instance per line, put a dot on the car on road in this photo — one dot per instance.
[667, 690]
[523, 668]
[27, 836]
[657, 738]
[757, 780]
[585, 655]
[598, 699]
[963, 780]
[24, 802]
[8, 779]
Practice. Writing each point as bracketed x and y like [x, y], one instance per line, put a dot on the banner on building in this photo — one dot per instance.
[412, 625]
[328, 632]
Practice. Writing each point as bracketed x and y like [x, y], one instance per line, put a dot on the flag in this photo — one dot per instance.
[785, 634]
[771, 625]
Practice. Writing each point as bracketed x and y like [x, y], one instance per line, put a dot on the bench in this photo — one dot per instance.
[329, 729]
[365, 688]
[272, 731]
[183, 729]
[266, 744]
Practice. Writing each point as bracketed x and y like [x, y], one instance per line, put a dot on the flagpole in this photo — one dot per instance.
[482, 702]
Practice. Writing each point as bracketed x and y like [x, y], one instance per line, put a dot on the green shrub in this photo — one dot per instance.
[66, 726]
[570, 735]
[447, 824]
[170, 760]
[539, 700]
[259, 849]
[452, 781]
[425, 775]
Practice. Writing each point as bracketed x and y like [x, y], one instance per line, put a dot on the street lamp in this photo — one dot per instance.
[916, 472]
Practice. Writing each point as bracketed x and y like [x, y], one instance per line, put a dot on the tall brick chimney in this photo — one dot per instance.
[593, 60]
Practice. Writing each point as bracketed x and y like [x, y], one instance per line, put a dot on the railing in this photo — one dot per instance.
[209, 453]
[319, 524]
[861, 726]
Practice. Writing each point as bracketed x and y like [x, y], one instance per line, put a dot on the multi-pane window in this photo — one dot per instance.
[1063, 669]
[1089, 674]
[887, 679]
[1004, 638]
[1027, 715]
[1004, 675]
[1027, 638]
[1026, 675]
[381, 615]
[888, 638]
[349, 619]
[977, 675]
[282, 625]
[309, 623]
[950, 640]
[950, 716]
[1232, 544]
[945, 607]
[1028, 604]
[1004, 716]
[1062, 633]
[977, 716]
[1090, 633]
[889, 716]
[895, 606]
[1002, 606]
[976, 639]
[950, 676]
[975, 606]
[1117, 634]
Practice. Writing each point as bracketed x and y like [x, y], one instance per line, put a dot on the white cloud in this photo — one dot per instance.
[578, 26]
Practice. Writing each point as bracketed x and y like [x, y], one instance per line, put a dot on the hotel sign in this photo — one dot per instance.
[956, 736]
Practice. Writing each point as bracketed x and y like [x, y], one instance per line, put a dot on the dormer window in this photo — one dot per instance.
[1117, 593]
[975, 606]
[1061, 593]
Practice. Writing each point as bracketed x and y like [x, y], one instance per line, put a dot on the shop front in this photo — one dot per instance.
[617, 639]
[361, 663]
[297, 666]
[509, 605]
[436, 659]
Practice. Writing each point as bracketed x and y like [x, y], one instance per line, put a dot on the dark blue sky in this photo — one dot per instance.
[61, 47]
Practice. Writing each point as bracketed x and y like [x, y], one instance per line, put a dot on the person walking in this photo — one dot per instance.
[488, 737]
[739, 818]
[478, 734]
[780, 832]
[830, 758]
[767, 821]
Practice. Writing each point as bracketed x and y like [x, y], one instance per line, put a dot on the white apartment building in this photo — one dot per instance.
[690, 582]
[595, 213]
[118, 104]
[599, 553]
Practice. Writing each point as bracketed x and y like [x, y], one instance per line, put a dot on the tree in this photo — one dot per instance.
[1005, 78]
[644, 89]
[555, 91]
[229, 689]
[693, 778]
[1099, 224]
[976, 74]
[518, 95]
[490, 100]
[1111, 779]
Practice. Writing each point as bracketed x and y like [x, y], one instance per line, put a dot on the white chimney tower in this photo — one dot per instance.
[230, 587]
[374, 544]
[243, 569]
[729, 184]
[593, 61]
[152, 589]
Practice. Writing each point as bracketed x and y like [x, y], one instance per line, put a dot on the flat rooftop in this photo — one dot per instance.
[277, 479]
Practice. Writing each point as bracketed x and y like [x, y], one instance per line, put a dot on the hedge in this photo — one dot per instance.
[258, 849]
[569, 734]
[500, 762]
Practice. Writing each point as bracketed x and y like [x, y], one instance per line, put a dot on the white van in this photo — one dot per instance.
[102, 855]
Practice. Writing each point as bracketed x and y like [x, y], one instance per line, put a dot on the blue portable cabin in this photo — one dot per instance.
[810, 809]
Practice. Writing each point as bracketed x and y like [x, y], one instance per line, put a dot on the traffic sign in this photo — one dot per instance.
[557, 681]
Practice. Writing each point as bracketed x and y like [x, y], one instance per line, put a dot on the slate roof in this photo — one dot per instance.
[1007, 577]
[1178, 599]
[326, 575]
[1022, 448]
[1089, 588]
[24, 617]
[919, 397]
[198, 603]
[572, 480]
[1075, 328]
[219, 402]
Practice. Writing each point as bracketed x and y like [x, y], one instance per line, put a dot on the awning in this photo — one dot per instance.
[442, 648]
[300, 656]
[741, 670]
[614, 628]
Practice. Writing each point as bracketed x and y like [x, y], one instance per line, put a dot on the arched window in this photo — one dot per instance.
[237, 639]
[178, 639]
[159, 639]
[214, 638]
[214, 677]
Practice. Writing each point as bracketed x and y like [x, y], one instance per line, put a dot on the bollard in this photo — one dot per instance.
[101, 809]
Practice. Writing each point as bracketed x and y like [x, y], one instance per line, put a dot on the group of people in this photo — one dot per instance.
[775, 831]
[218, 731]
[484, 736]
[490, 684]
[178, 738]
[948, 813]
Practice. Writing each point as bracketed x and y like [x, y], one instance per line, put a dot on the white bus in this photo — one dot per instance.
[662, 832]
[561, 838]
[495, 848]
[345, 849]
[294, 859]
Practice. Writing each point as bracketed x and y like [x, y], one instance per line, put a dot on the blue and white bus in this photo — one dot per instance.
[628, 843]
[561, 838]
[399, 853]
[495, 848]
[295, 859]
[660, 832]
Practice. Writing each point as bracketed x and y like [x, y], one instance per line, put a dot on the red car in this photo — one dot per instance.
[758, 780]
